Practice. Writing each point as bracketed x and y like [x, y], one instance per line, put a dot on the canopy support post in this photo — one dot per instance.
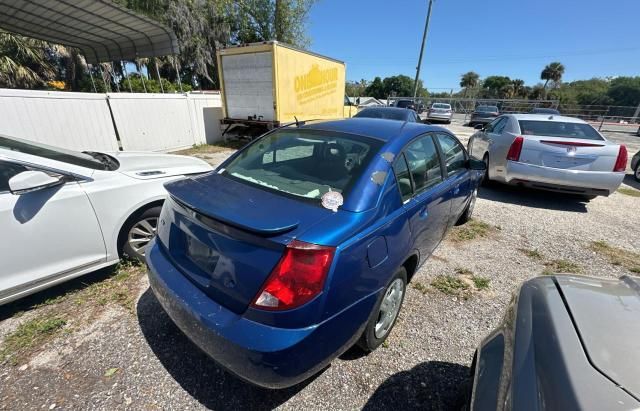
[107, 88]
[175, 65]
[93, 83]
[124, 68]
[155, 63]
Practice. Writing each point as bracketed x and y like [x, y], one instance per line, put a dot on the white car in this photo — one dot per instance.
[66, 213]
[440, 112]
[550, 152]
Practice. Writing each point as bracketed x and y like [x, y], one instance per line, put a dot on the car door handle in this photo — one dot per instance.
[424, 213]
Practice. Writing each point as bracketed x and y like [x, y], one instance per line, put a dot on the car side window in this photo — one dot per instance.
[8, 170]
[424, 163]
[500, 125]
[401, 171]
[453, 152]
[491, 126]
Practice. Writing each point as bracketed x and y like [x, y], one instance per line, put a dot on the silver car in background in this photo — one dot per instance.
[549, 152]
[440, 112]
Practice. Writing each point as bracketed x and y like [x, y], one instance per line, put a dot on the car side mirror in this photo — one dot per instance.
[475, 164]
[479, 127]
[29, 181]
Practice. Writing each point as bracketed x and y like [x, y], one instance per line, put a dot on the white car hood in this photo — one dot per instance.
[145, 165]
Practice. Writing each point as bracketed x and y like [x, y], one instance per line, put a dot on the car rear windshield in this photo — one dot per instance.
[559, 129]
[404, 103]
[304, 163]
[487, 109]
[386, 113]
[440, 105]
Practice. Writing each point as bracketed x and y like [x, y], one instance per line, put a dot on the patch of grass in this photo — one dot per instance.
[471, 230]
[533, 254]
[213, 148]
[629, 191]
[385, 344]
[420, 287]
[450, 285]
[30, 335]
[617, 256]
[561, 266]
[118, 289]
[481, 283]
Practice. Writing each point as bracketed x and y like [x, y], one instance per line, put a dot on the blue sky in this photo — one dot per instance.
[515, 38]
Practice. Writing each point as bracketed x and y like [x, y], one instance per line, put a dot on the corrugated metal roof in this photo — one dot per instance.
[102, 30]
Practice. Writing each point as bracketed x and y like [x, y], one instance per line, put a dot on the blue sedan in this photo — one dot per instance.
[301, 244]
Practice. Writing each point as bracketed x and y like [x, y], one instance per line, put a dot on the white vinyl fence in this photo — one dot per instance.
[91, 121]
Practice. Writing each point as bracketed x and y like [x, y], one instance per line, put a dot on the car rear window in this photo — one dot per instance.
[559, 129]
[386, 113]
[304, 163]
[440, 105]
[488, 109]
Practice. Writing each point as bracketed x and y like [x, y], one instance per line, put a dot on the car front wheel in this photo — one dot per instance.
[138, 231]
[385, 313]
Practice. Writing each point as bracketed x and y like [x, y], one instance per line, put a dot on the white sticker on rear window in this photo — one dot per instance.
[332, 200]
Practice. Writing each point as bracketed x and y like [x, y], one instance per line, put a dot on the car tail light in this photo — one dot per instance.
[621, 161]
[515, 149]
[297, 278]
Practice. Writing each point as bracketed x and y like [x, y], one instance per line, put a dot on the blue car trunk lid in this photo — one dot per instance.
[227, 236]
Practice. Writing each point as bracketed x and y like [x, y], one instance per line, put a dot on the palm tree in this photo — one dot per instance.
[23, 62]
[551, 72]
[518, 87]
[469, 80]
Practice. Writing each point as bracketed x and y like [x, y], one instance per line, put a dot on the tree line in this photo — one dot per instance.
[202, 27]
[618, 91]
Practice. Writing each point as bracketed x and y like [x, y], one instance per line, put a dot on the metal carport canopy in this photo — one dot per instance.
[102, 30]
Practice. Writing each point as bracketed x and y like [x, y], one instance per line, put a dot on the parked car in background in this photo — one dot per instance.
[544, 110]
[302, 243]
[635, 166]
[555, 153]
[483, 115]
[65, 213]
[565, 343]
[389, 113]
[440, 112]
[405, 104]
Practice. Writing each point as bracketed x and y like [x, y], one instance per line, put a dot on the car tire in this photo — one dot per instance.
[137, 231]
[486, 178]
[636, 172]
[385, 313]
[468, 211]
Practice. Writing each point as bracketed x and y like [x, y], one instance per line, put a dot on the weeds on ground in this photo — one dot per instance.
[472, 230]
[213, 148]
[629, 191]
[481, 283]
[617, 256]
[451, 285]
[420, 287]
[463, 271]
[118, 288]
[532, 253]
[561, 266]
[29, 335]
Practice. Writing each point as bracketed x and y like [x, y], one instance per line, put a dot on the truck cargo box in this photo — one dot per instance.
[273, 83]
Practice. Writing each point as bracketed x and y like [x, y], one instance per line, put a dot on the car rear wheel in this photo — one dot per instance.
[138, 231]
[486, 179]
[636, 173]
[385, 313]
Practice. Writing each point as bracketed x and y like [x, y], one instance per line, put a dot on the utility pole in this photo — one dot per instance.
[424, 39]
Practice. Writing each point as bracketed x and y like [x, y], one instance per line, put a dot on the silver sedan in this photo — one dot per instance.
[549, 152]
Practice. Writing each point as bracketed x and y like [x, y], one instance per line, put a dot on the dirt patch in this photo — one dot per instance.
[618, 256]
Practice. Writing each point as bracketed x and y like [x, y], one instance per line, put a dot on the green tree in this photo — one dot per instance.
[518, 88]
[494, 86]
[402, 86]
[625, 91]
[23, 62]
[469, 81]
[376, 89]
[552, 72]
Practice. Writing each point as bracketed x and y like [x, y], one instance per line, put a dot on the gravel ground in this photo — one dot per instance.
[425, 364]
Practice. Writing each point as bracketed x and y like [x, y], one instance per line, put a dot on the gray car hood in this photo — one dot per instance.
[607, 317]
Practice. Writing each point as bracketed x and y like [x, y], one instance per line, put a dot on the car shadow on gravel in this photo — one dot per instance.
[432, 385]
[196, 373]
[631, 182]
[534, 198]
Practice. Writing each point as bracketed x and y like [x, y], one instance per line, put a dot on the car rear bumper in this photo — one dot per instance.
[568, 181]
[260, 354]
[439, 116]
[481, 120]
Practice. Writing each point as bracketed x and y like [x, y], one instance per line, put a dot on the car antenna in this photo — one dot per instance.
[297, 122]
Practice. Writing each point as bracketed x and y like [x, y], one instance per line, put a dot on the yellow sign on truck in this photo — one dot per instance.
[272, 83]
